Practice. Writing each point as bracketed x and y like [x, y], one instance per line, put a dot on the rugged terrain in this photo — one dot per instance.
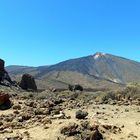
[56, 116]
[91, 71]
[107, 107]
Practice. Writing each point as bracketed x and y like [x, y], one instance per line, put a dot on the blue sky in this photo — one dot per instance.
[44, 32]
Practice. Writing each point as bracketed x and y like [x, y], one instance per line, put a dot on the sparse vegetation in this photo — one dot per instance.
[131, 91]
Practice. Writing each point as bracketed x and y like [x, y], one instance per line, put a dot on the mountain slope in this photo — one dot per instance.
[101, 66]
[98, 68]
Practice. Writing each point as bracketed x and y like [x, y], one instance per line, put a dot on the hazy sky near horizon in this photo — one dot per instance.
[44, 32]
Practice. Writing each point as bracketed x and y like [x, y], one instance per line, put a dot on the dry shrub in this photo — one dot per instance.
[130, 91]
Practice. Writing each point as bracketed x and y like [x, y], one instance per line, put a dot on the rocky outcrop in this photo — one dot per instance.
[2, 64]
[2, 71]
[28, 82]
[4, 74]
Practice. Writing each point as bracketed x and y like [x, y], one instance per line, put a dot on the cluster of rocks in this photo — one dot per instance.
[86, 131]
[28, 113]
[82, 132]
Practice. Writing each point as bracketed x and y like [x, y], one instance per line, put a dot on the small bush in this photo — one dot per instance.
[108, 95]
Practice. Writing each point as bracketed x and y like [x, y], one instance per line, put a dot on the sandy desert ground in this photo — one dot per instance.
[30, 120]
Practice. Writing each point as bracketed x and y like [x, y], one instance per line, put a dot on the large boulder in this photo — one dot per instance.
[5, 102]
[28, 82]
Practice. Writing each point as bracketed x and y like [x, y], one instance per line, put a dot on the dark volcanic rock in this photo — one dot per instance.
[81, 114]
[70, 130]
[5, 102]
[4, 74]
[28, 82]
[3, 98]
[1, 69]
[96, 135]
[17, 107]
[26, 116]
[88, 135]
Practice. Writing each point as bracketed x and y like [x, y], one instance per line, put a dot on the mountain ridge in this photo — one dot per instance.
[99, 66]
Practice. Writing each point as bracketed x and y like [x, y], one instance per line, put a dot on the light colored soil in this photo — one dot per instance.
[115, 115]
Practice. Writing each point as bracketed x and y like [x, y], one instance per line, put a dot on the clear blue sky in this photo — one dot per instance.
[42, 32]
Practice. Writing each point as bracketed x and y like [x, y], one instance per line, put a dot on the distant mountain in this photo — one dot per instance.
[19, 70]
[94, 70]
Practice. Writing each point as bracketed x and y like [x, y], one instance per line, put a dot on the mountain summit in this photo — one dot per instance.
[98, 55]
[90, 70]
